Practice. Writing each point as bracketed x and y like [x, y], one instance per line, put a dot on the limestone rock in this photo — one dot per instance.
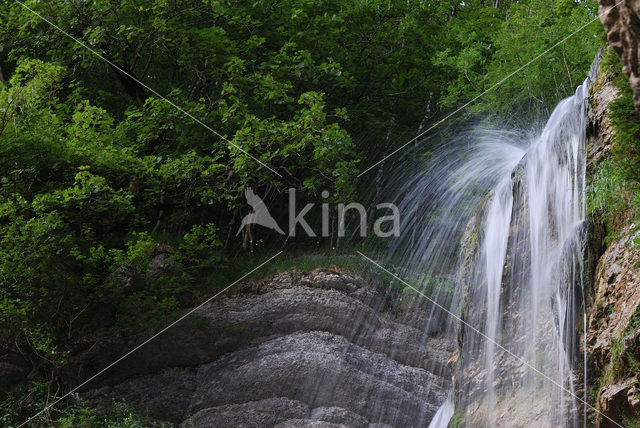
[615, 399]
[621, 21]
[617, 296]
[339, 415]
[309, 423]
[299, 349]
[269, 412]
[322, 370]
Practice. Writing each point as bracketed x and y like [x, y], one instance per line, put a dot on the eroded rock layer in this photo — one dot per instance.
[297, 350]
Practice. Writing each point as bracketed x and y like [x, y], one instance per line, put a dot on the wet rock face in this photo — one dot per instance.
[622, 25]
[297, 350]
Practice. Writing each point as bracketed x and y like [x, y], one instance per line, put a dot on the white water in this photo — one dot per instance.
[520, 283]
[544, 238]
[444, 413]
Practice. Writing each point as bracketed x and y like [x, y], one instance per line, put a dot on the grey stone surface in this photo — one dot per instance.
[322, 369]
[299, 349]
[263, 413]
[309, 423]
[339, 415]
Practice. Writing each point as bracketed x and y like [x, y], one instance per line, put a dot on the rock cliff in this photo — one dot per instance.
[613, 337]
[613, 334]
[296, 350]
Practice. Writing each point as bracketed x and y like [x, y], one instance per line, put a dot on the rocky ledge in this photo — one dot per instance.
[300, 349]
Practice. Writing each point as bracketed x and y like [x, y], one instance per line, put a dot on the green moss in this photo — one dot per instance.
[457, 420]
[474, 237]
[634, 322]
[631, 421]
[616, 367]
[606, 195]
[621, 364]
[344, 263]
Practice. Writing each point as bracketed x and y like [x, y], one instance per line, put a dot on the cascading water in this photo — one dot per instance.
[529, 254]
[503, 237]
[444, 413]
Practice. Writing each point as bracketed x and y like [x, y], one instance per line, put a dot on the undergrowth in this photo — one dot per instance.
[18, 407]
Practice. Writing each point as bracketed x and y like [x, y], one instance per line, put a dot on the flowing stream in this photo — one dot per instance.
[494, 231]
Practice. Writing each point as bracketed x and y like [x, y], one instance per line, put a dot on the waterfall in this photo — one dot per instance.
[443, 415]
[526, 273]
[499, 218]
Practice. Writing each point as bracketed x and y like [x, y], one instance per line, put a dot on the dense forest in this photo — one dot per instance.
[130, 130]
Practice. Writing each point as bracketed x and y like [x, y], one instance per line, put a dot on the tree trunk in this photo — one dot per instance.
[131, 84]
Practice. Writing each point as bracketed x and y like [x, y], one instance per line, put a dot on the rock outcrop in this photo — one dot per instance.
[617, 295]
[613, 333]
[613, 336]
[297, 350]
[621, 21]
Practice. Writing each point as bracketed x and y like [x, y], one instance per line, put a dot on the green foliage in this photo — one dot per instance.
[610, 195]
[631, 421]
[17, 407]
[117, 418]
[634, 323]
[621, 364]
[488, 44]
[626, 123]
[117, 208]
[199, 246]
[83, 192]
[616, 366]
